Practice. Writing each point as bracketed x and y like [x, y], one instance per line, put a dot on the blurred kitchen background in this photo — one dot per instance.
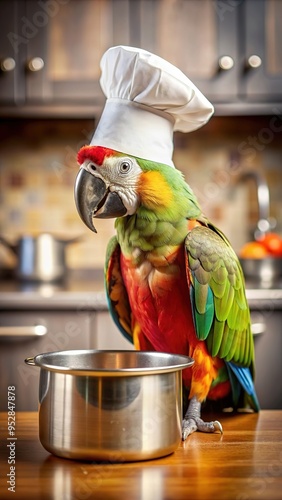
[50, 103]
[51, 100]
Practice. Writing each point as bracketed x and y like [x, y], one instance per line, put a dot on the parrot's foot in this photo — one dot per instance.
[190, 425]
[192, 421]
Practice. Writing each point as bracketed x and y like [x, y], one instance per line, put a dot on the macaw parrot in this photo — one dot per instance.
[173, 282]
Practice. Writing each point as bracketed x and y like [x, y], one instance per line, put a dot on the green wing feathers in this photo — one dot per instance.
[221, 312]
[115, 290]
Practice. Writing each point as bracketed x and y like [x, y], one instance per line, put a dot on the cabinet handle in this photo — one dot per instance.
[7, 64]
[35, 64]
[23, 331]
[258, 328]
[254, 61]
[225, 62]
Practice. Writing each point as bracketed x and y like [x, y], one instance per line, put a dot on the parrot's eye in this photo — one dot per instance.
[91, 167]
[125, 166]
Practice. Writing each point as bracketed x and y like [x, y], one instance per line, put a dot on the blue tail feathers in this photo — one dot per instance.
[240, 377]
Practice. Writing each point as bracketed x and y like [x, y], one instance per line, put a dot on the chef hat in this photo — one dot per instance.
[147, 100]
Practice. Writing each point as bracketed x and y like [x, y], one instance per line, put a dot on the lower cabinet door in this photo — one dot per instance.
[108, 334]
[267, 329]
[25, 334]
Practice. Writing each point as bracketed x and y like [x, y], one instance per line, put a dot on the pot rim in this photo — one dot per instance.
[171, 363]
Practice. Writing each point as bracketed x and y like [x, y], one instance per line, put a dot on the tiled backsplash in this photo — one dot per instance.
[38, 169]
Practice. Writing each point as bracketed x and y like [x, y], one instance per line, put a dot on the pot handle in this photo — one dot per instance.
[30, 361]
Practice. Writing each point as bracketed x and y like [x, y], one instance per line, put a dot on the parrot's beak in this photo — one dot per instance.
[93, 199]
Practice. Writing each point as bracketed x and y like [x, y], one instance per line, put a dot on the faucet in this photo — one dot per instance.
[265, 223]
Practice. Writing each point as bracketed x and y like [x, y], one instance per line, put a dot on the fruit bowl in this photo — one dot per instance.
[262, 259]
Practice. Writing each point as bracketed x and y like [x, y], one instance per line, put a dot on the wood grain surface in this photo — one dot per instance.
[245, 463]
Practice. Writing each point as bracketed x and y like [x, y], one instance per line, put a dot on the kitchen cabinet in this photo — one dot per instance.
[232, 50]
[268, 349]
[22, 52]
[27, 333]
[76, 316]
[262, 78]
[192, 36]
[108, 336]
[11, 60]
[50, 51]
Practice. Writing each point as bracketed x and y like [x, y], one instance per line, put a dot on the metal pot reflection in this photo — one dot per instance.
[110, 405]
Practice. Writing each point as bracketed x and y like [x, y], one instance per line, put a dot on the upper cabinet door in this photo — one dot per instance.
[70, 43]
[192, 36]
[262, 80]
[12, 53]
[50, 51]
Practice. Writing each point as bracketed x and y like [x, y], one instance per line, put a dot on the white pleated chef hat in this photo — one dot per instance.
[147, 100]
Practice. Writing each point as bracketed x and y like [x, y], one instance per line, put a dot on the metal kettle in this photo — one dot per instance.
[40, 258]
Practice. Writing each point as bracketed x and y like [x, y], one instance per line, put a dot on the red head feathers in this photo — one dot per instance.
[95, 153]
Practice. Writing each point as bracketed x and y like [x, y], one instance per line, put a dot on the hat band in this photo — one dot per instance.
[134, 129]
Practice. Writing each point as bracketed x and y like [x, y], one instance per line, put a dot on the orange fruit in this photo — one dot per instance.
[254, 250]
[273, 243]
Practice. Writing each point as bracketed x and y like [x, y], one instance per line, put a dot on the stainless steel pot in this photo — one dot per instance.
[267, 269]
[114, 406]
[40, 258]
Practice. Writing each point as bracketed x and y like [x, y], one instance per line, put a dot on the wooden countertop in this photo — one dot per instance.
[245, 463]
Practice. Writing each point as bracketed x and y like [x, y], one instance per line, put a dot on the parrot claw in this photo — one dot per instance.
[192, 421]
[191, 425]
[188, 427]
